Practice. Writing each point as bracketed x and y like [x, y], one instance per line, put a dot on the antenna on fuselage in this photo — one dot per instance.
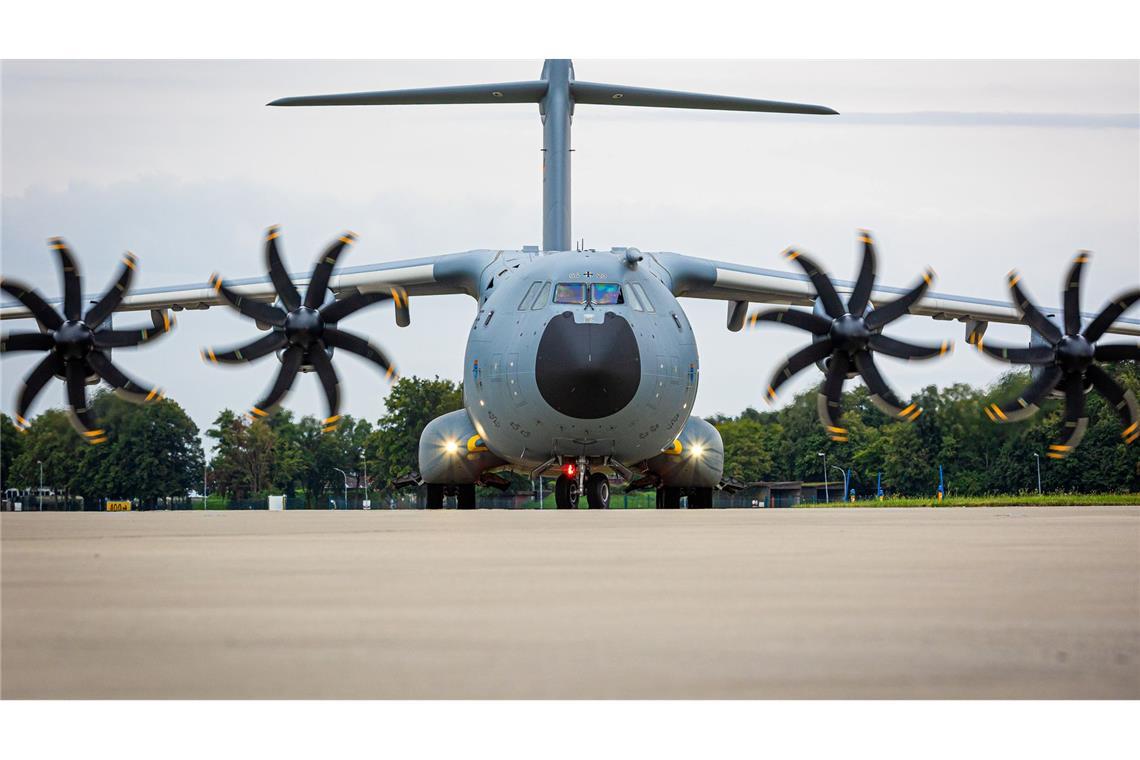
[556, 92]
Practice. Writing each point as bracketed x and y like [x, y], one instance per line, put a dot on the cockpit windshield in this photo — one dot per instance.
[600, 293]
[607, 294]
[570, 292]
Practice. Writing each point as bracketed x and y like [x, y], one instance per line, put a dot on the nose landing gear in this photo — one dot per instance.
[569, 488]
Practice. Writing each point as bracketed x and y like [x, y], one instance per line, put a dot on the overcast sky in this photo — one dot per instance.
[972, 168]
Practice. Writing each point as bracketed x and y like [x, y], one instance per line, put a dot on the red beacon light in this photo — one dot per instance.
[569, 469]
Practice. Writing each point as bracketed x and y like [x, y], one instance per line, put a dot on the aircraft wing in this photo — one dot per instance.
[435, 275]
[694, 277]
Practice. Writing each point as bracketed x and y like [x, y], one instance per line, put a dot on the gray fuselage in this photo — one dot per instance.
[544, 379]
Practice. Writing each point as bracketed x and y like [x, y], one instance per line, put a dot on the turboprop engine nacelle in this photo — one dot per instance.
[695, 460]
[452, 452]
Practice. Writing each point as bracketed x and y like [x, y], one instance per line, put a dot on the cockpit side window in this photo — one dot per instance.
[640, 292]
[632, 300]
[540, 299]
[570, 293]
[606, 294]
[529, 297]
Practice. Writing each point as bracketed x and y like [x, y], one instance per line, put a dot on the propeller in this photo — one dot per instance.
[305, 330]
[847, 337]
[1069, 362]
[76, 342]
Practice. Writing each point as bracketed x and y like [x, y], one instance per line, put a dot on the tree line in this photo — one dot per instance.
[155, 452]
[978, 457]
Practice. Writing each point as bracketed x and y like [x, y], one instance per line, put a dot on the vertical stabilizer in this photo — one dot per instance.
[556, 93]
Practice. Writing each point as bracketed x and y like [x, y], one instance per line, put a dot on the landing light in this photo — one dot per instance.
[451, 446]
[697, 450]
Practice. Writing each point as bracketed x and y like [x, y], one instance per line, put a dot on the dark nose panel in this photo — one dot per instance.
[588, 371]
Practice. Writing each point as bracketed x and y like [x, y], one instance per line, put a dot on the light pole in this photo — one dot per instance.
[842, 472]
[345, 474]
[204, 470]
[40, 462]
[364, 461]
[826, 493]
[1038, 458]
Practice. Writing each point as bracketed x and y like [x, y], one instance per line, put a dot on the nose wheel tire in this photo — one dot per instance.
[566, 492]
[434, 496]
[465, 496]
[598, 491]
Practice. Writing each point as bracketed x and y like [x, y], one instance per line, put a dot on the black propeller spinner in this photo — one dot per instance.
[1069, 363]
[847, 337]
[76, 342]
[306, 330]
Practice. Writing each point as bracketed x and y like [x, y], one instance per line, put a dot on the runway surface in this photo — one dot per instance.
[954, 602]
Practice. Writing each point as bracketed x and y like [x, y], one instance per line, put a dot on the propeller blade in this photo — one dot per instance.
[163, 322]
[290, 364]
[319, 282]
[1076, 422]
[796, 362]
[82, 419]
[1072, 295]
[27, 341]
[1121, 400]
[829, 397]
[857, 303]
[118, 380]
[881, 394]
[889, 312]
[352, 343]
[331, 385]
[903, 350]
[262, 312]
[823, 287]
[1017, 355]
[33, 302]
[110, 301]
[72, 289]
[1030, 314]
[284, 286]
[249, 352]
[1109, 314]
[1117, 352]
[1025, 405]
[34, 382]
[804, 320]
[338, 310]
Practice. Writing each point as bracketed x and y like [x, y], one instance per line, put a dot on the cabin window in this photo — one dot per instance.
[570, 293]
[607, 294]
[540, 299]
[640, 291]
[529, 297]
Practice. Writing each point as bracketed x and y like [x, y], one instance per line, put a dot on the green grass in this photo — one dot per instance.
[1044, 500]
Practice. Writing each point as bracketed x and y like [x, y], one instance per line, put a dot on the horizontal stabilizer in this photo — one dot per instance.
[504, 92]
[596, 93]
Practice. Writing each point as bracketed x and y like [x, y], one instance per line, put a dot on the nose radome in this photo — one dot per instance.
[588, 370]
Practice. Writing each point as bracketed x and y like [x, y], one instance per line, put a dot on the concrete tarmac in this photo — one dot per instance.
[1038, 602]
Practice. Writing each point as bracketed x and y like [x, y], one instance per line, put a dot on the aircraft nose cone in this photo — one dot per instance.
[589, 370]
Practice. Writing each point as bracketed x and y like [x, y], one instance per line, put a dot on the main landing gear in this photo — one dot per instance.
[669, 497]
[464, 495]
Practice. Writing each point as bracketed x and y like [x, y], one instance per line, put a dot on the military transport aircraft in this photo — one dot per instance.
[580, 362]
